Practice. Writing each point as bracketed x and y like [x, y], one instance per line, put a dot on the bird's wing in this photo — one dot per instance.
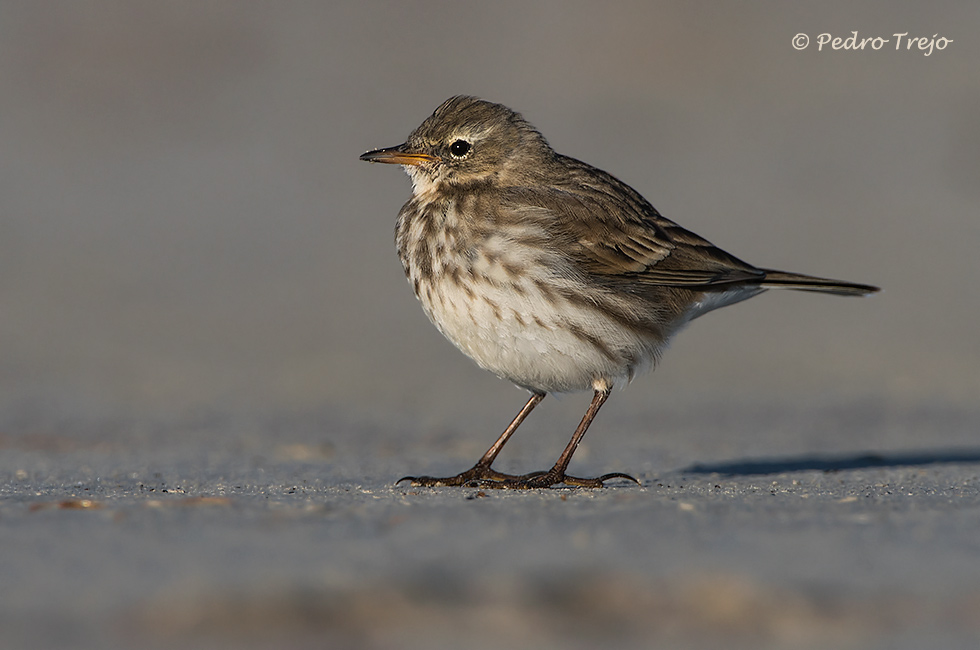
[620, 235]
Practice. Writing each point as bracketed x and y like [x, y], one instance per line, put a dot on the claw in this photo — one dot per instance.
[606, 477]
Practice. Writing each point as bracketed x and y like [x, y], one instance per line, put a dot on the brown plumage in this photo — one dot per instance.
[549, 272]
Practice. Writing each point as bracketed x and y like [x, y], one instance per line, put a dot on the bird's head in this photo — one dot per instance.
[467, 142]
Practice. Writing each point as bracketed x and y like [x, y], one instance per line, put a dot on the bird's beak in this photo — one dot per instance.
[398, 156]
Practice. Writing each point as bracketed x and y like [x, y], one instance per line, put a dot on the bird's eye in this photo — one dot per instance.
[459, 148]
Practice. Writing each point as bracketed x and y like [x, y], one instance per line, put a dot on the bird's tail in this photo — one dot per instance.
[781, 279]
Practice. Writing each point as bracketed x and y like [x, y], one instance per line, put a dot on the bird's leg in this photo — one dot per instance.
[481, 472]
[556, 475]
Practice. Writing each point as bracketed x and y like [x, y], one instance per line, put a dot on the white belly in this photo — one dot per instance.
[529, 338]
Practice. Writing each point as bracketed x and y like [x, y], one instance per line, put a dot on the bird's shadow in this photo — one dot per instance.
[837, 462]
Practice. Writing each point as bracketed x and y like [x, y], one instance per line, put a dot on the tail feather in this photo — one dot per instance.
[800, 282]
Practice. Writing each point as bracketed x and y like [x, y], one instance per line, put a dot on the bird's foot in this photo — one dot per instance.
[477, 476]
[551, 478]
[487, 478]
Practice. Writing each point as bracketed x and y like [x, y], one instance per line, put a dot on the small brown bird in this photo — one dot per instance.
[548, 272]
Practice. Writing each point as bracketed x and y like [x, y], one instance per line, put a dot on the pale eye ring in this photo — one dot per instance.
[459, 148]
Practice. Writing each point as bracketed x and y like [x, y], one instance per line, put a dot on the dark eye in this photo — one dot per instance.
[459, 148]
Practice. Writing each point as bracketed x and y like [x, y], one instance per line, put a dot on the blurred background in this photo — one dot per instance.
[186, 230]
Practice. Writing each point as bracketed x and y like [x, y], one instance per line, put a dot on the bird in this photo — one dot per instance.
[551, 273]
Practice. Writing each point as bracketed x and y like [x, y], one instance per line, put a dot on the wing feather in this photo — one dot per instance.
[619, 235]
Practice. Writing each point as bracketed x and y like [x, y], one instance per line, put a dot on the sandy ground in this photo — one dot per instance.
[203, 538]
[212, 370]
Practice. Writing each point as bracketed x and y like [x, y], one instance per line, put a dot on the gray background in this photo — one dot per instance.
[199, 294]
